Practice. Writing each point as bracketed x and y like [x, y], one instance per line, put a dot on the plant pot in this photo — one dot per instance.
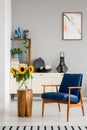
[24, 100]
[16, 56]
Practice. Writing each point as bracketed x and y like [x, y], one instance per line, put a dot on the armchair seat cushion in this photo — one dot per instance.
[60, 97]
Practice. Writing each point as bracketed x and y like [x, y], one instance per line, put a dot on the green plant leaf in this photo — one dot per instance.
[15, 51]
[18, 77]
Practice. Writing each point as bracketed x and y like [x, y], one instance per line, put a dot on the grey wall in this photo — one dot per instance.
[44, 20]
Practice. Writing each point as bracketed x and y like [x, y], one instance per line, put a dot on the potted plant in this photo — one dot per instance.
[15, 52]
[25, 33]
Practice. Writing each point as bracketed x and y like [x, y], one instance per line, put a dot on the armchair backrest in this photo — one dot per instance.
[71, 80]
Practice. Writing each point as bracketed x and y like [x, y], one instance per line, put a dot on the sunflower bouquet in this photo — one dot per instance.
[22, 74]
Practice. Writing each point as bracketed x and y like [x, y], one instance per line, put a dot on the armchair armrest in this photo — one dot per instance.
[75, 87]
[50, 85]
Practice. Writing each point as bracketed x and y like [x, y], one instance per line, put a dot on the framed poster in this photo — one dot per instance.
[72, 26]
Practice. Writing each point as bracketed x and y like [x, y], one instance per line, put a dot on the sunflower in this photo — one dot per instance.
[21, 70]
[31, 69]
[22, 74]
[12, 71]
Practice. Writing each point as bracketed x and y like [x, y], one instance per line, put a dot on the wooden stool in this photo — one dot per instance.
[24, 98]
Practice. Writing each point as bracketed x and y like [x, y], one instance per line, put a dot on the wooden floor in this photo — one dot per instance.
[52, 115]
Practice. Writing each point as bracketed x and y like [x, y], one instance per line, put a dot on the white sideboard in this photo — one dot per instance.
[37, 81]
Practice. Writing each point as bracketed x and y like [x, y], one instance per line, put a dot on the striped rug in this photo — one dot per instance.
[43, 127]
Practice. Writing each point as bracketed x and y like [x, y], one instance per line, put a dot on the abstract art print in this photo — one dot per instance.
[72, 26]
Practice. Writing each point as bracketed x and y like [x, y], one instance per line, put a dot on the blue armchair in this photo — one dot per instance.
[70, 93]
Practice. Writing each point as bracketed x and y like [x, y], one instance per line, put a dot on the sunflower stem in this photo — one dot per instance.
[26, 85]
[22, 84]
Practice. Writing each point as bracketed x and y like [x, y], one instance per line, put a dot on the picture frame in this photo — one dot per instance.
[72, 26]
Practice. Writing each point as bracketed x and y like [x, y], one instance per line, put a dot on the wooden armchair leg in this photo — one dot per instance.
[83, 110]
[68, 111]
[59, 107]
[82, 103]
[42, 107]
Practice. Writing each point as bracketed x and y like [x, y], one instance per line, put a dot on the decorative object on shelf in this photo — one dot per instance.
[40, 66]
[44, 69]
[25, 33]
[22, 74]
[19, 32]
[15, 52]
[39, 62]
[16, 34]
[62, 68]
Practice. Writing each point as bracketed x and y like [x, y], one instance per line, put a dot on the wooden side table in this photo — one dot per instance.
[24, 100]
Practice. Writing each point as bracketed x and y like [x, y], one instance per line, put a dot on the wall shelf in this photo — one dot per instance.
[29, 47]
